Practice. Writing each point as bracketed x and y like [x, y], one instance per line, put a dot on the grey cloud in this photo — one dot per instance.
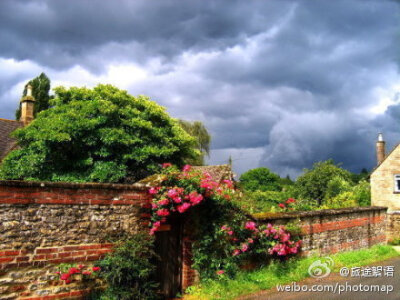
[289, 77]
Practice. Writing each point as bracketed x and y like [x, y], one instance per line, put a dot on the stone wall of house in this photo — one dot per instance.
[334, 230]
[382, 182]
[45, 224]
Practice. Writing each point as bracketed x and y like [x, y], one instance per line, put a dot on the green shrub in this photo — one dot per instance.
[358, 195]
[345, 199]
[336, 186]
[259, 201]
[129, 270]
[313, 184]
[260, 179]
[362, 193]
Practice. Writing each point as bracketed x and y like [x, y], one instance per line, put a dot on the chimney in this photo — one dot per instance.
[380, 149]
[27, 104]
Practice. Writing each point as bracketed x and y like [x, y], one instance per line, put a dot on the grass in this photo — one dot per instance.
[294, 269]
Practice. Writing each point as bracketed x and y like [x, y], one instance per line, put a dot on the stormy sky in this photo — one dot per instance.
[280, 84]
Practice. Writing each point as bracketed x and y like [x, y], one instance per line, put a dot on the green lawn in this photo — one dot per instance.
[281, 273]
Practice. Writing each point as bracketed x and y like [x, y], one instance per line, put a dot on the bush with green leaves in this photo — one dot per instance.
[313, 184]
[97, 135]
[129, 270]
[260, 179]
[362, 193]
[350, 196]
[336, 186]
[259, 201]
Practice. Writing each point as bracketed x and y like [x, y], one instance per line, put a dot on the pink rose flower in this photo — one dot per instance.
[163, 202]
[245, 247]
[166, 165]
[229, 183]
[153, 191]
[177, 199]
[250, 226]
[230, 232]
[163, 212]
[285, 237]
[195, 198]
[236, 252]
[186, 168]
[172, 193]
[183, 207]
[220, 272]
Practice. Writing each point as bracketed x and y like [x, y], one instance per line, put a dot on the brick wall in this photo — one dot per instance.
[45, 224]
[333, 230]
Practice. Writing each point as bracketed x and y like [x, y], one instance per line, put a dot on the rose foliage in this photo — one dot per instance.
[225, 237]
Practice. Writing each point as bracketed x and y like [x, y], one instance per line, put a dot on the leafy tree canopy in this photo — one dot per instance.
[40, 91]
[314, 183]
[97, 135]
[261, 179]
[197, 130]
[363, 175]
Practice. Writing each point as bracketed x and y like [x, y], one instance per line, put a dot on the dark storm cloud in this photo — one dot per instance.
[294, 80]
[62, 33]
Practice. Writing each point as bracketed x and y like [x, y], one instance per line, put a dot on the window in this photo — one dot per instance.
[397, 183]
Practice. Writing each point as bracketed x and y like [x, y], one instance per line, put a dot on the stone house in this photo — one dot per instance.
[7, 143]
[385, 178]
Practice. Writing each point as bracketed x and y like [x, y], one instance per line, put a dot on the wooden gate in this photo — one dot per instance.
[169, 247]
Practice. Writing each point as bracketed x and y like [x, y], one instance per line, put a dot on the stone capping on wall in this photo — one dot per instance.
[72, 185]
[316, 213]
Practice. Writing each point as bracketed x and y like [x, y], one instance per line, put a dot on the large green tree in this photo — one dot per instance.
[203, 139]
[260, 179]
[97, 135]
[314, 183]
[40, 90]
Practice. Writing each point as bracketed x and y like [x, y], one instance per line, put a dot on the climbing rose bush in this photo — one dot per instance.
[224, 237]
[77, 273]
[275, 241]
[288, 205]
[180, 191]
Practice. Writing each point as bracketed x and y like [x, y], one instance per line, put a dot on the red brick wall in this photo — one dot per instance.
[45, 224]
